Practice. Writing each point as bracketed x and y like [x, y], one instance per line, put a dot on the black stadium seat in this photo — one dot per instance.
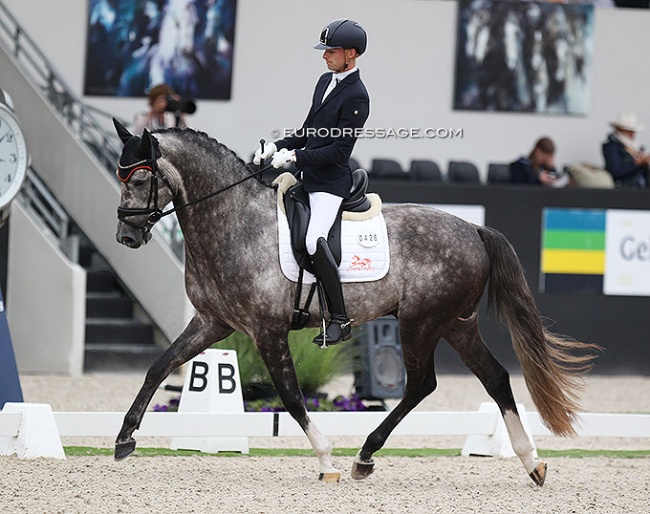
[463, 172]
[426, 170]
[387, 168]
[498, 173]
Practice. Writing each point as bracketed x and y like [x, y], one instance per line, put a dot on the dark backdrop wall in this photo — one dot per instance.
[618, 323]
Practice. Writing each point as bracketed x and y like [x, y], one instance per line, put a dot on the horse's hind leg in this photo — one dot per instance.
[196, 337]
[421, 381]
[465, 338]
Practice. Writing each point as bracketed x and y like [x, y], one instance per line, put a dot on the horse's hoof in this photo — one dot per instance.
[539, 474]
[330, 478]
[123, 450]
[361, 470]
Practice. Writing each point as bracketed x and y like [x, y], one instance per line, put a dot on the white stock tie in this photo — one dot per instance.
[331, 86]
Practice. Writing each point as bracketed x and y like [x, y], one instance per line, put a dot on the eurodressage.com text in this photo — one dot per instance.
[371, 133]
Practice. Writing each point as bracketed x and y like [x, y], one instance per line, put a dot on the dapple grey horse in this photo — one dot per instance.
[440, 266]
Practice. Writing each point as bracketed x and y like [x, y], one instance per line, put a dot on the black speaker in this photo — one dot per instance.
[380, 369]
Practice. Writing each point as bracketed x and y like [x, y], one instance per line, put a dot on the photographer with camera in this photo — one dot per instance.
[539, 167]
[167, 110]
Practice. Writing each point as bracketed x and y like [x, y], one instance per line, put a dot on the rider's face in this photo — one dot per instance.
[335, 59]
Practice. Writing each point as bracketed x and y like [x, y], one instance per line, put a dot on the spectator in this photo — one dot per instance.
[158, 117]
[625, 158]
[539, 167]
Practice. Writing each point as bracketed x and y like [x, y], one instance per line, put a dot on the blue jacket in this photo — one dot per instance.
[620, 165]
[522, 172]
[323, 155]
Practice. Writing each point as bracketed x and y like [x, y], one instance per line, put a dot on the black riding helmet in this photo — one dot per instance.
[343, 33]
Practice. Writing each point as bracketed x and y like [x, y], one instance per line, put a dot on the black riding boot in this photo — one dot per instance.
[339, 326]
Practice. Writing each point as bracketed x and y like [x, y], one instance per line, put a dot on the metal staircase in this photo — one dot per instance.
[116, 340]
[136, 302]
[119, 336]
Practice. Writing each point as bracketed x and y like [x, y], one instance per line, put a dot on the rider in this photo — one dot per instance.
[321, 149]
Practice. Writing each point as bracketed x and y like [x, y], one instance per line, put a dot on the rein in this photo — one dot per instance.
[215, 193]
[155, 213]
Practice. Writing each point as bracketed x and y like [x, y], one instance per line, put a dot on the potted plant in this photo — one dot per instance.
[315, 368]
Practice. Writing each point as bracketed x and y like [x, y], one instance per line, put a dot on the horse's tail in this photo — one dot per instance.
[551, 371]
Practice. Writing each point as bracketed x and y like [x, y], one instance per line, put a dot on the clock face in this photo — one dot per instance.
[13, 156]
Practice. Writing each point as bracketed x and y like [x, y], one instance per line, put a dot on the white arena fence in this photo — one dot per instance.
[23, 427]
[281, 424]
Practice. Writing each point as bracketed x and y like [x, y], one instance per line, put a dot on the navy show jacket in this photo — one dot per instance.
[327, 137]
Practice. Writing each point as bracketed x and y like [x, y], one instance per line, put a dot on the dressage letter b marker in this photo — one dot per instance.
[226, 378]
[201, 376]
[212, 384]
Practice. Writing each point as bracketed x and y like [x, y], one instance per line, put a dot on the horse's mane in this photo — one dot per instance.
[213, 146]
[190, 133]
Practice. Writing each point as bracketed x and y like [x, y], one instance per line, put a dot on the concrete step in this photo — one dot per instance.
[118, 331]
[118, 358]
[100, 281]
[108, 305]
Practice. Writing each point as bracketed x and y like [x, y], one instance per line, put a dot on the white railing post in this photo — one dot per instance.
[36, 435]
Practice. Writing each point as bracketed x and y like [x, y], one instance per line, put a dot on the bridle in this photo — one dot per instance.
[153, 211]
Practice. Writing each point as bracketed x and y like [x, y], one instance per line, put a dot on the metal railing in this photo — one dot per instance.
[36, 197]
[90, 125]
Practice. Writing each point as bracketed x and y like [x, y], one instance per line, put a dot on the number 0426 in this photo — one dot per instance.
[368, 239]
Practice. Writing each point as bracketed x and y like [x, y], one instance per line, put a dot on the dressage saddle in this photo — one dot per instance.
[296, 203]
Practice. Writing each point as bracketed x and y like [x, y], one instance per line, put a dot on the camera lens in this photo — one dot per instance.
[185, 105]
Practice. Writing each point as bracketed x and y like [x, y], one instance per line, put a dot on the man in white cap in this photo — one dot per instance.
[625, 158]
[322, 149]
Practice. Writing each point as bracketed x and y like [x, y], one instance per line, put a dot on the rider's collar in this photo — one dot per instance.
[343, 74]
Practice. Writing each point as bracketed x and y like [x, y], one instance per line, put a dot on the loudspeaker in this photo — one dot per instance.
[380, 369]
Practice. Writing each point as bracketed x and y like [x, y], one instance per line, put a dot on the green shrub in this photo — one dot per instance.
[315, 367]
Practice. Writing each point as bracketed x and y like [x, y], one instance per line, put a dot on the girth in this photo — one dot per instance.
[296, 203]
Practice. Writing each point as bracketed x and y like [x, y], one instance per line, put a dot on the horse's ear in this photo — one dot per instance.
[146, 144]
[122, 131]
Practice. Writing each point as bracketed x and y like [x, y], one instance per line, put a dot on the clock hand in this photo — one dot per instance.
[5, 135]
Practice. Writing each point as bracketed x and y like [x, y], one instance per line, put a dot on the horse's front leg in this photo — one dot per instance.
[196, 337]
[275, 354]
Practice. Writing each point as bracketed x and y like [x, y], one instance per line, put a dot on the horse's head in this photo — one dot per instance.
[144, 188]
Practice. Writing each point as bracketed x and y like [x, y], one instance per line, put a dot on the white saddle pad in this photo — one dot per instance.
[365, 254]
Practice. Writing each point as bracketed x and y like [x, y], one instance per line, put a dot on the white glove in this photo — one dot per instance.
[283, 157]
[269, 150]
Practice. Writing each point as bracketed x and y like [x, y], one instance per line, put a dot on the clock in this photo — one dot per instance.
[14, 159]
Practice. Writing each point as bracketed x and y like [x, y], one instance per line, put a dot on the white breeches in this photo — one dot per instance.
[324, 208]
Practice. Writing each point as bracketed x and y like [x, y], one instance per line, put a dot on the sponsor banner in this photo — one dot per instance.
[627, 249]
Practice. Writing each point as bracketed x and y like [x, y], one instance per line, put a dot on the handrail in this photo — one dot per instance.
[36, 197]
